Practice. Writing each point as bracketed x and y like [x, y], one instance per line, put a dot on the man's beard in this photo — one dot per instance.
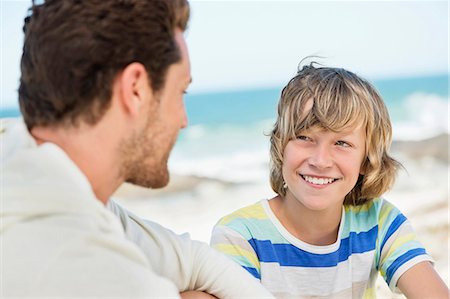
[145, 155]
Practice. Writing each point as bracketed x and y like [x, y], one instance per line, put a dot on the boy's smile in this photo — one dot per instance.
[320, 167]
[317, 181]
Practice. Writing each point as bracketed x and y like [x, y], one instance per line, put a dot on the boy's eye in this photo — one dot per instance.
[303, 137]
[342, 143]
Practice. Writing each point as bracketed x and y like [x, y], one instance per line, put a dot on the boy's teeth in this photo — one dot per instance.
[318, 181]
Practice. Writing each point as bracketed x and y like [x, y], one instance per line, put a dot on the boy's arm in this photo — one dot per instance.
[236, 247]
[403, 261]
[422, 281]
[191, 265]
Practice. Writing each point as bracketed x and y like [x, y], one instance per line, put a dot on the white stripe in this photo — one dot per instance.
[356, 291]
[405, 267]
[404, 229]
[317, 281]
[299, 243]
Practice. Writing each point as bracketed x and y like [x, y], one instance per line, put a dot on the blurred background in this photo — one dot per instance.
[242, 54]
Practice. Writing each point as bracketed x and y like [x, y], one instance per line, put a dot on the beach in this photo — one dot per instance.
[193, 204]
[220, 162]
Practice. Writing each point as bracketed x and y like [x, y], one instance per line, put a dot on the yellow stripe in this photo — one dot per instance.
[384, 213]
[234, 250]
[398, 243]
[255, 211]
[362, 208]
[369, 293]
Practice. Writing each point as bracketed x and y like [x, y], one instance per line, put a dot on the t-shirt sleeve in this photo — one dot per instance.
[191, 265]
[398, 248]
[232, 239]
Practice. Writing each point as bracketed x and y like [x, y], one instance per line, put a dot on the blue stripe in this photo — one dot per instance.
[290, 255]
[393, 228]
[401, 260]
[253, 272]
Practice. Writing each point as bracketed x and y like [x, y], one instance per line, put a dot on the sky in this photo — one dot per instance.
[258, 44]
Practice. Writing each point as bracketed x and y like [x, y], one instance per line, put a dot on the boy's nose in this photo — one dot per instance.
[321, 157]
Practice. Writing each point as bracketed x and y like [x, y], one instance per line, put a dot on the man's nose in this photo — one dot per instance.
[184, 119]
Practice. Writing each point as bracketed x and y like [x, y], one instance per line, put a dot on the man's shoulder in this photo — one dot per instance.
[98, 272]
[56, 236]
[110, 266]
[67, 255]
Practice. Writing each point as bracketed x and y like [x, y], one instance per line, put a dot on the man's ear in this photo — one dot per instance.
[135, 87]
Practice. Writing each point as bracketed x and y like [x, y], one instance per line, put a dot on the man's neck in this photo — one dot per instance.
[91, 150]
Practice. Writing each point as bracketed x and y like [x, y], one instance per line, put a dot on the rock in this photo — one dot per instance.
[436, 147]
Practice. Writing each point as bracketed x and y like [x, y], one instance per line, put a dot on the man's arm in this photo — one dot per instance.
[191, 265]
[196, 295]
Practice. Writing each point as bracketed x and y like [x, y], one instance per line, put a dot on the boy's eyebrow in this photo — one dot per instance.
[347, 132]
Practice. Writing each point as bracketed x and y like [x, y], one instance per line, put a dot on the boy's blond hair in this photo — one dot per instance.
[341, 100]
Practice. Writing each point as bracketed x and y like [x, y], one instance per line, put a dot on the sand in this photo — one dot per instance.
[194, 204]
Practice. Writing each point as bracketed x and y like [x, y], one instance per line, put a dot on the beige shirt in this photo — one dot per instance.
[58, 240]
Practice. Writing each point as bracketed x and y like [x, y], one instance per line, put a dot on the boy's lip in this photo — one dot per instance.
[317, 176]
[318, 180]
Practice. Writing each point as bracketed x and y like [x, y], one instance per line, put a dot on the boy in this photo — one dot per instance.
[328, 233]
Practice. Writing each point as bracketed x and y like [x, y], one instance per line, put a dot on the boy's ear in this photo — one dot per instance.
[135, 88]
[363, 168]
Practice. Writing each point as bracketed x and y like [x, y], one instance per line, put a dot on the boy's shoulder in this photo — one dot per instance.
[375, 210]
[250, 222]
[375, 205]
[254, 211]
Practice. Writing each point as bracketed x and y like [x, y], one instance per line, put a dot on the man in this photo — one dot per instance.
[101, 94]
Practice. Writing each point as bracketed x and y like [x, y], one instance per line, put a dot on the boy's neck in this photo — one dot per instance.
[313, 227]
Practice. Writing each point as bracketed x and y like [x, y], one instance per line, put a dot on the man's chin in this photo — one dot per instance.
[157, 182]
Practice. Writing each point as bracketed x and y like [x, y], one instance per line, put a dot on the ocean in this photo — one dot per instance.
[227, 134]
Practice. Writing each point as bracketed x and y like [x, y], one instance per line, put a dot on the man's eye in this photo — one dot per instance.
[343, 143]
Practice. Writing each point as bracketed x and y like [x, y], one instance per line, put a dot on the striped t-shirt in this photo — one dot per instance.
[374, 237]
